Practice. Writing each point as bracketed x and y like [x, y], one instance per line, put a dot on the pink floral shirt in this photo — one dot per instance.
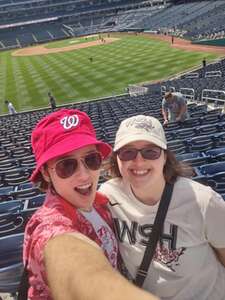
[56, 217]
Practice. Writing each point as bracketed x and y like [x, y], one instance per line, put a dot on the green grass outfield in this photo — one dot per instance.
[71, 77]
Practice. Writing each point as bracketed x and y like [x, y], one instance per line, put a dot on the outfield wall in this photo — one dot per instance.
[217, 42]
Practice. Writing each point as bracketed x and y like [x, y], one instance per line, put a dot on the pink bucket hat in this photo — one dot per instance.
[61, 132]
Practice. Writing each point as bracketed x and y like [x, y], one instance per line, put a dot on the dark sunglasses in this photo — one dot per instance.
[68, 166]
[151, 153]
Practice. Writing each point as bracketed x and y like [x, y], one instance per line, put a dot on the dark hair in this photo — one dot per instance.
[42, 184]
[172, 169]
[168, 95]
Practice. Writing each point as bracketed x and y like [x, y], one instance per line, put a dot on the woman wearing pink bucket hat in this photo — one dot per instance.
[69, 244]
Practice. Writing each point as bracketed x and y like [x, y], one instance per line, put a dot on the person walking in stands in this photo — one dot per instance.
[69, 243]
[11, 108]
[52, 101]
[204, 63]
[174, 107]
[189, 260]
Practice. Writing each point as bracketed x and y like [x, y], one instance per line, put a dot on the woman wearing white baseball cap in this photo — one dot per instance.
[156, 206]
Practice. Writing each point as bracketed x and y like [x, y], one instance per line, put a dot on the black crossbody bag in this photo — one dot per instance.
[154, 236]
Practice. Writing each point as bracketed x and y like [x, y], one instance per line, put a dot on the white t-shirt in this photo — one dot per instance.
[184, 266]
[104, 233]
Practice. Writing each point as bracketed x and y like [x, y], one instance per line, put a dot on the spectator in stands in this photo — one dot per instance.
[204, 62]
[11, 108]
[174, 107]
[189, 259]
[52, 101]
[66, 239]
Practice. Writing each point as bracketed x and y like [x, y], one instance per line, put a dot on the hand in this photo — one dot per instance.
[165, 122]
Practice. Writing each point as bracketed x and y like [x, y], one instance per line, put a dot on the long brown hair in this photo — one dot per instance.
[172, 169]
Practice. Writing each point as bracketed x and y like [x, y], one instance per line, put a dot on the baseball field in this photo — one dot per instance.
[89, 67]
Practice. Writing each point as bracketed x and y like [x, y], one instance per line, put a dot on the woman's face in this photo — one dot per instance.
[143, 173]
[80, 187]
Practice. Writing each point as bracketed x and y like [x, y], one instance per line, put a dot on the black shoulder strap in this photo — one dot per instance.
[24, 285]
[155, 234]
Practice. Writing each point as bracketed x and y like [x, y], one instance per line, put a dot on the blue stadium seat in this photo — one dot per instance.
[194, 158]
[11, 206]
[217, 154]
[210, 169]
[200, 143]
[5, 193]
[185, 133]
[177, 146]
[11, 265]
[12, 223]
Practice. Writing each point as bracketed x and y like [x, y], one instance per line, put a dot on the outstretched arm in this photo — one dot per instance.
[78, 269]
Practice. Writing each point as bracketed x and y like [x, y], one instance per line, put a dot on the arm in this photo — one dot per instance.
[220, 253]
[164, 113]
[77, 269]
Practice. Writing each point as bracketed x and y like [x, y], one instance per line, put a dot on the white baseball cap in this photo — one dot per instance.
[140, 128]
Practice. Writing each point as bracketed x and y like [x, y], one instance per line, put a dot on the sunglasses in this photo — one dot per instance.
[151, 153]
[68, 166]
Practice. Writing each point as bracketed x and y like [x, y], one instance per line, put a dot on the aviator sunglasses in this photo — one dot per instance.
[68, 166]
[151, 153]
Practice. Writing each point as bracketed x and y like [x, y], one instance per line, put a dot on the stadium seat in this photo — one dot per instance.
[219, 139]
[194, 159]
[207, 129]
[210, 169]
[200, 143]
[11, 206]
[11, 265]
[177, 146]
[25, 193]
[15, 176]
[185, 133]
[217, 154]
[5, 193]
[12, 223]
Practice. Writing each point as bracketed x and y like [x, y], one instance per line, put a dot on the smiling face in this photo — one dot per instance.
[144, 175]
[79, 188]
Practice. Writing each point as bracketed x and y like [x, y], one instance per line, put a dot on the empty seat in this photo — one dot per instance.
[194, 159]
[217, 154]
[210, 169]
[11, 265]
[184, 133]
[200, 143]
[12, 223]
[11, 206]
[177, 146]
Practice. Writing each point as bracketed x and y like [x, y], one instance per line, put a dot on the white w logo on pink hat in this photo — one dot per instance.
[69, 121]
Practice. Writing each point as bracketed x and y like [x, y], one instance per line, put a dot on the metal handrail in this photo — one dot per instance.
[206, 98]
[192, 75]
[190, 96]
[213, 74]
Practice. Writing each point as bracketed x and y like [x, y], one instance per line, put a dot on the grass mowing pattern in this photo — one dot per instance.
[71, 77]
